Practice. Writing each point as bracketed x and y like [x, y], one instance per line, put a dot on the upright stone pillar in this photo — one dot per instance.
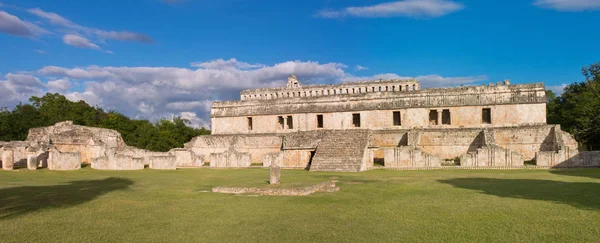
[8, 159]
[439, 117]
[275, 174]
[32, 161]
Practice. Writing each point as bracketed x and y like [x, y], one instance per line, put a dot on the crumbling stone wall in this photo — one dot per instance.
[90, 142]
[408, 156]
[64, 160]
[256, 145]
[162, 162]
[230, 159]
[275, 159]
[112, 161]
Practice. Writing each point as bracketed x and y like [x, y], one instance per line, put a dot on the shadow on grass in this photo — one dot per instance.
[590, 173]
[584, 195]
[16, 201]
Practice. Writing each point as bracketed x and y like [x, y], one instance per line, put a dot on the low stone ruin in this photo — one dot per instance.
[162, 162]
[64, 160]
[230, 159]
[66, 146]
[329, 186]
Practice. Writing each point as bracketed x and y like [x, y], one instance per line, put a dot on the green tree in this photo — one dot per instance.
[578, 109]
[49, 109]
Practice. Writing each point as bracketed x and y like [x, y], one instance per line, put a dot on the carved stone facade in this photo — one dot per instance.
[347, 127]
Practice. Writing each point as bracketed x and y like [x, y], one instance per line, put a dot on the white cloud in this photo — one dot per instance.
[59, 20]
[222, 64]
[360, 68]
[163, 92]
[190, 105]
[557, 89]
[78, 41]
[569, 5]
[40, 51]
[405, 8]
[59, 85]
[13, 25]
[18, 88]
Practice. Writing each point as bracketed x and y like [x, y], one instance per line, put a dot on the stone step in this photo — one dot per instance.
[341, 151]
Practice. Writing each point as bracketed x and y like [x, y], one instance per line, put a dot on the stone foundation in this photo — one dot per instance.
[305, 191]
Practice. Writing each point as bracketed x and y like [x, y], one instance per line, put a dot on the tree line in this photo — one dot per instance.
[577, 109]
[49, 109]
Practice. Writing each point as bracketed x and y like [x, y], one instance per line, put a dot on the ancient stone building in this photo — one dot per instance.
[346, 127]
[350, 126]
[65, 146]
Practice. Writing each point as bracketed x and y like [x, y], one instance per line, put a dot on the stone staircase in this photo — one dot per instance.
[341, 150]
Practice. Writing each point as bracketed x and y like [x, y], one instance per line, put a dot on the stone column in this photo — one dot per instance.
[439, 117]
[32, 161]
[275, 174]
[8, 159]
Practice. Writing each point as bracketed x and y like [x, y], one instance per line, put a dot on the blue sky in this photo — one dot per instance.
[159, 58]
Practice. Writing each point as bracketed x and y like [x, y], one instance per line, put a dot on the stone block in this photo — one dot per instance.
[274, 174]
[118, 162]
[64, 161]
[8, 159]
[32, 161]
[187, 159]
[162, 162]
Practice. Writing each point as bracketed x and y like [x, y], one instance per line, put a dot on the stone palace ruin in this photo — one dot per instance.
[346, 127]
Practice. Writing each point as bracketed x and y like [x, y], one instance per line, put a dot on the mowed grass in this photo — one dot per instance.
[392, 206]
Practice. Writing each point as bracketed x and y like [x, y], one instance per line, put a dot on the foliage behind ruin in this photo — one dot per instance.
[49, 109]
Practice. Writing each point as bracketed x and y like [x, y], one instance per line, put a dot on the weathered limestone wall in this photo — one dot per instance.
[256, 145]
[494, 156]
[118, 162]
[407, 156]
[90, 142]
[64, 161]
[467, 116]
[452, 143]
[187, 159]
[510, 105]
[298, 158]
[275, 159]
[230, 159]
[161, 162]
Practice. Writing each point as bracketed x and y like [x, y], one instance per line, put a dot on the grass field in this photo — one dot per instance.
[392, 206]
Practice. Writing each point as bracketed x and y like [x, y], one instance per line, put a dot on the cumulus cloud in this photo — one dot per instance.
[17, 88]
[59, 85]
[569, 5]
[163, 92]
[13, 25]
[405, 8]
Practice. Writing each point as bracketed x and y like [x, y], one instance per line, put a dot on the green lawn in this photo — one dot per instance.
[392, 206]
